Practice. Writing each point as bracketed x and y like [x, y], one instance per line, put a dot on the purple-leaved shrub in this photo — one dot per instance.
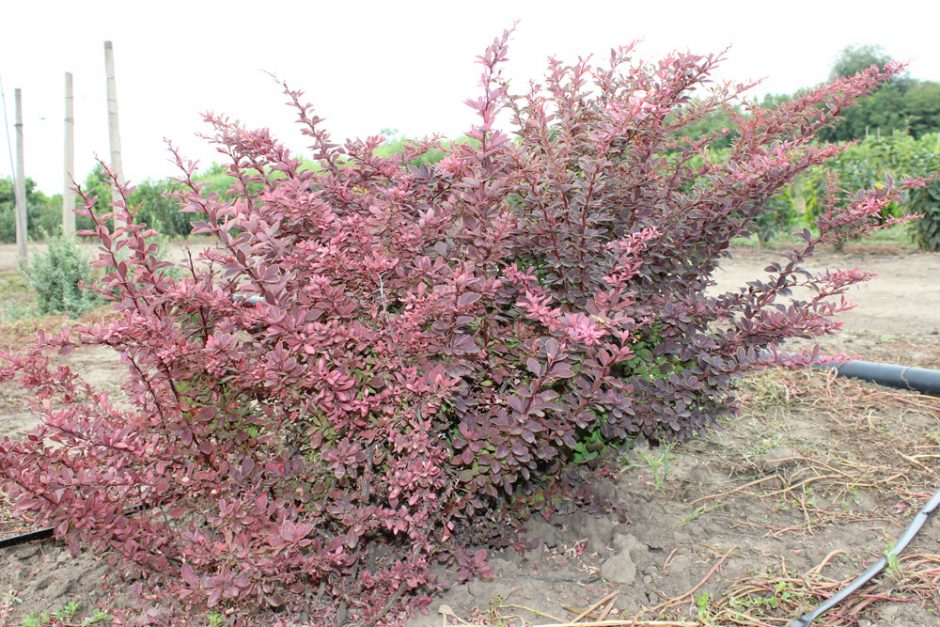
[431, 344]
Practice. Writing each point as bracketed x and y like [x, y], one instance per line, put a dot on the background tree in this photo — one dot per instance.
[854, 59]
[922, 106]
[157, 206]
[43, 213]
[903, 104]
[160, 209]
[883, 111]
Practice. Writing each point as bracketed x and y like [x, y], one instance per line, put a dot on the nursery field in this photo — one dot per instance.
[751, 524]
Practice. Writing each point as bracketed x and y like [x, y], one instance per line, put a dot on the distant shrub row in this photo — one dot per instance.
[862, 166]
[157, 207]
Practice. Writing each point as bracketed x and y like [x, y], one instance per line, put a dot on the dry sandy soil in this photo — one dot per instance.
[752, 524]
[903, 299]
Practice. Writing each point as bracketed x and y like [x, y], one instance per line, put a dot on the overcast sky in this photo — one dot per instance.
[369, 66]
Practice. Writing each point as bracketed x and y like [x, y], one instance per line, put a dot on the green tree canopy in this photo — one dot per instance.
[922, 105]
[853, 59]
[904, 104]
[43, 213]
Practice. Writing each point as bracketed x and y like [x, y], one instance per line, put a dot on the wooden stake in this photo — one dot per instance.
[114, 131]
[68, 195]
[20, 191]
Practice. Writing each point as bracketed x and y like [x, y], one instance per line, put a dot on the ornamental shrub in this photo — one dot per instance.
[926, 203]
[58, 276]
[380, 365]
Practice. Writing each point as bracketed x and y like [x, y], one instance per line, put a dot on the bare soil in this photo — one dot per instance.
[751, 524]
[903, 299]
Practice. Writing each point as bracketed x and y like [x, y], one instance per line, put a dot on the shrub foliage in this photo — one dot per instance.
[58, 276]
[430, 345]
[926, 202]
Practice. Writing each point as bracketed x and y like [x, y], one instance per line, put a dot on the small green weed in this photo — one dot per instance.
[894, 564]
[660, 464]
[68, 613]
[852, 495]
[97, 617]
[698, 511]
[703, 609]
[759, 605]
[216, 619]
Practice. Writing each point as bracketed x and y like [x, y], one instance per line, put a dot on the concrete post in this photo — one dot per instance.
[20, 190]
[114, 131]
[68, 195]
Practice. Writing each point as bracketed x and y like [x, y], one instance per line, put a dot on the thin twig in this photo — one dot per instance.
[627, 622]
[388, 605]
[751, 484]
[532, 611]
[688, 595]
[594, 606]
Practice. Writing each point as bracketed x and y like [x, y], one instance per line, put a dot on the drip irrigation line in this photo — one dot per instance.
[47, 532]
[922, 380]
[23, 538]
[912, 529]
[902, 377]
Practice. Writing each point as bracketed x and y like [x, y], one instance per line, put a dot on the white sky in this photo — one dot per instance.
[372, 65]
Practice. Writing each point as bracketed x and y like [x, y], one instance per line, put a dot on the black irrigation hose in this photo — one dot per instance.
[874, 569]
[921, 380]
[907, 378]
[47, 532]
[23, 538]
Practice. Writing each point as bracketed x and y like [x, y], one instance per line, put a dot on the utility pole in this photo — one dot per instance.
[20, 191]
[114, 132]
[68, 195]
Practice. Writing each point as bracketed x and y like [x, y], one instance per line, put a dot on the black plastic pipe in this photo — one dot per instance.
[874, 569]
[906, 378]
[922, 380]
[903, 377]
[47, 532]
[39, 534]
